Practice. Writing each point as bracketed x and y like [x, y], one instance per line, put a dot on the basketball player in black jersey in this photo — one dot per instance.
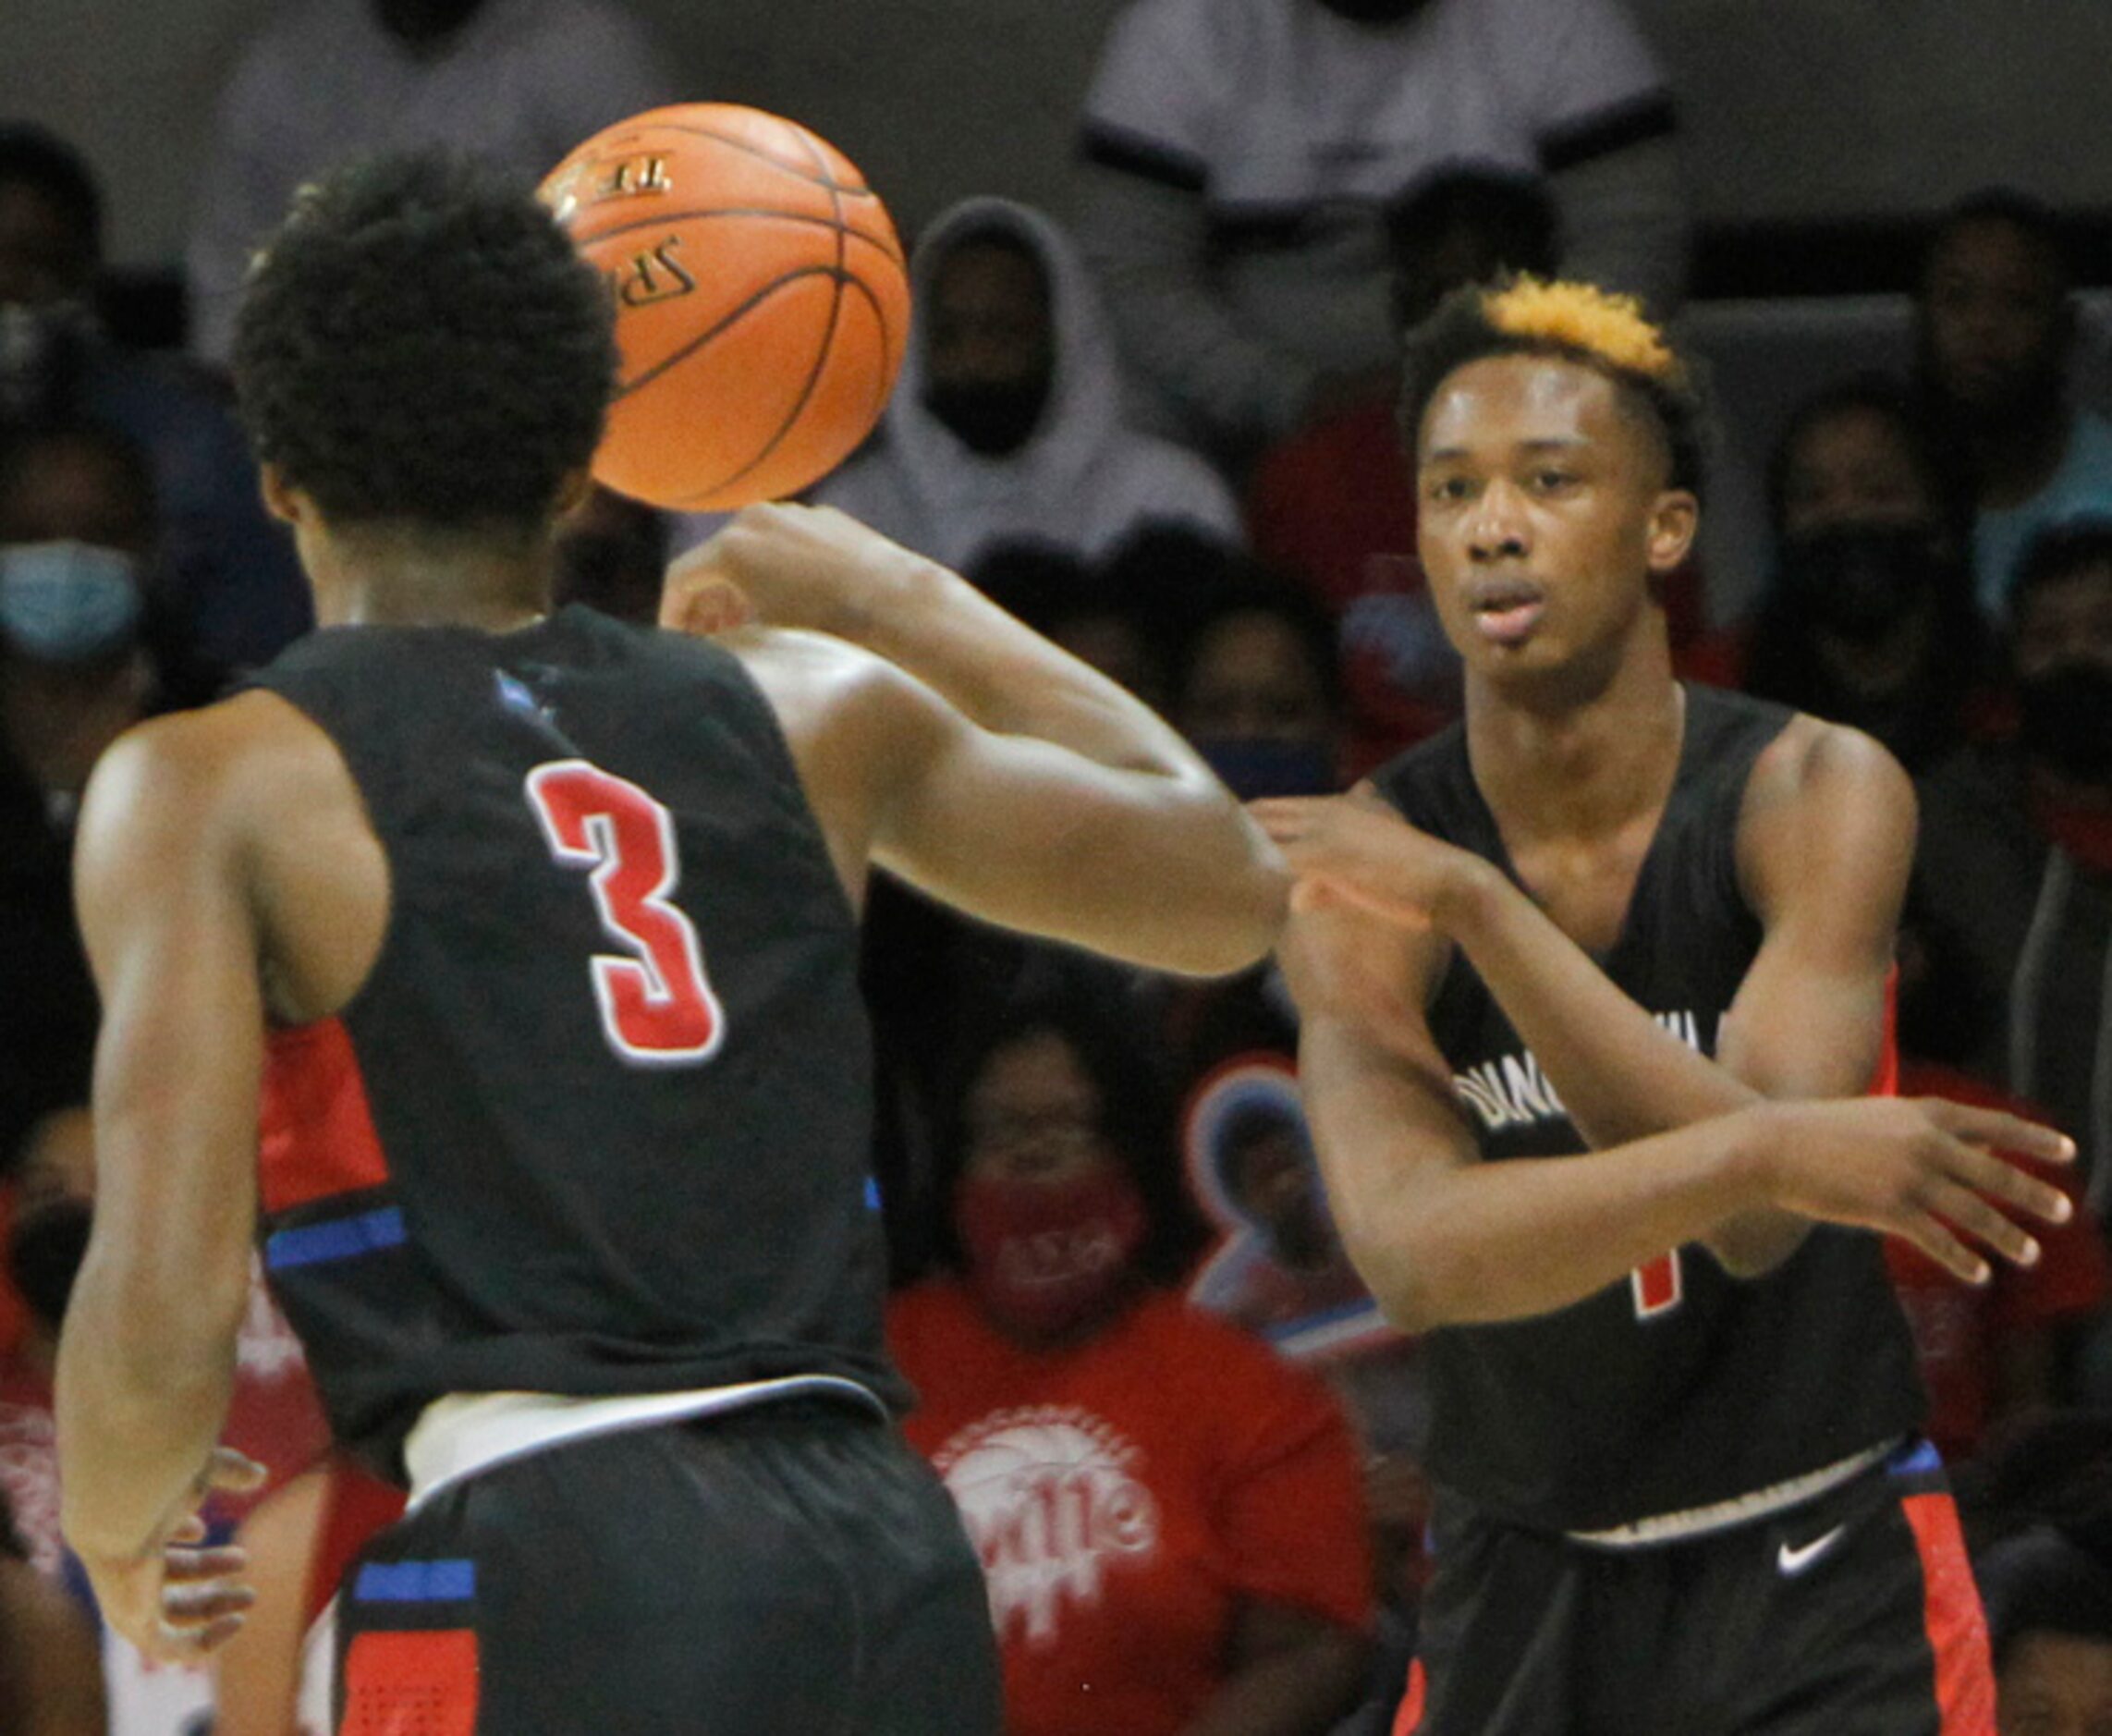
[1673, 1402]
[533, 935]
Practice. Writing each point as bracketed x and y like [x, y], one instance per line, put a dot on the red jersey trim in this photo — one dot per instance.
[1951, 1614]
[316, 1136]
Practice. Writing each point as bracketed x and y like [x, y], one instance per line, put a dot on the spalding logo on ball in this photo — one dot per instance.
[762, 301]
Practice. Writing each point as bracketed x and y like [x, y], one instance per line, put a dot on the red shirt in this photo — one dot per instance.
[1127, 1495]
[1956, 1327]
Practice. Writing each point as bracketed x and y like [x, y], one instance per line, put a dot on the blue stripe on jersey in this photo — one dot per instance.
[872, 1194]
[416, 1583]
[1915, 1458]
[339, 1238]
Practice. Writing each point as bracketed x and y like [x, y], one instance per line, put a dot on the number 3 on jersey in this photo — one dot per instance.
[657, 1007]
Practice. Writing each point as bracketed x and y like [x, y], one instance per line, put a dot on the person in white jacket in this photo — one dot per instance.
[1007, 423]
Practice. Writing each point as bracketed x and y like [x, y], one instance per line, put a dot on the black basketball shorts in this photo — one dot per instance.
[793, 1568]
[1853, 1614]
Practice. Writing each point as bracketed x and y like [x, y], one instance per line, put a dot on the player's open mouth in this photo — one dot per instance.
[1506, 610]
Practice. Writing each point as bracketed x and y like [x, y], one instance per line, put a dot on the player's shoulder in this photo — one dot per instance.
[1814, 762]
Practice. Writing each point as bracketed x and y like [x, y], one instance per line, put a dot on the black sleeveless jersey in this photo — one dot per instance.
[1680, 1387]
[598, 1122]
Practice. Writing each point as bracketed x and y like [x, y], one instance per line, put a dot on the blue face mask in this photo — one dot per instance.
[67, 601]
[1252, 767]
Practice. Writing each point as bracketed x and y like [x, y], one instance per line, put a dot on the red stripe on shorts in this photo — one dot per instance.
[1951, 1613]
[411, 1684]
[1411, 1714]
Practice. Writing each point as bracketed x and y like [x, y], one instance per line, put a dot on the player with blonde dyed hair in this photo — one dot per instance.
[1576, 978]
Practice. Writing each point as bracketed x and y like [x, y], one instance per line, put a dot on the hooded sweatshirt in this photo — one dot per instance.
[1083, 482]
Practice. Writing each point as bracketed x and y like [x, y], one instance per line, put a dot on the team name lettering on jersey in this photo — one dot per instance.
[1512, 1090]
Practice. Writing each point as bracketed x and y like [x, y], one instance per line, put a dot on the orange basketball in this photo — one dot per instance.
[762, 301]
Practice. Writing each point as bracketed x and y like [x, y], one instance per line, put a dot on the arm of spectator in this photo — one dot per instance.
[1145, 238]
[146, 1363]
[1296, 1535]
[1625, 215]
[977, 759]
[257, 1674]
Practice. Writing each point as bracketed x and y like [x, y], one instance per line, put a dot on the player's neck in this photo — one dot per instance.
[384, 577]
[1580, 763]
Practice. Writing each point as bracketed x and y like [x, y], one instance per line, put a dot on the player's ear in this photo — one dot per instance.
[1675, 516]
[282, 499]
[572, 492]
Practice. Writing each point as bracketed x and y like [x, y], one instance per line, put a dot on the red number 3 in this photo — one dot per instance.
[657, 1008]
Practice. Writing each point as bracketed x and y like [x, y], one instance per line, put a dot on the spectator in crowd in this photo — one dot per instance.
[1333, 504]
[50, 1681]
[1871, 619]
[1243, 153]
[77, 527]
[1009, 423]
[1094, 611]
[517, 81]
[1996, 323]
[229, 592]
[1258, 690]
[2010, 910]
[1168, 1516]
[612, 554]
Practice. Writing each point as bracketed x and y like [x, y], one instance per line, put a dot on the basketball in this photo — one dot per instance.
[762, 301]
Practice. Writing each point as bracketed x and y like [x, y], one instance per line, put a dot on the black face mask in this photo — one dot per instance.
[1373, 11]
[44, 1252]
[421, 23]
[1858, 580]
[2065, 720]
[994, 420]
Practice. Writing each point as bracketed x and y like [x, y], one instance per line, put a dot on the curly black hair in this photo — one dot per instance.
[419, 343]
[1572, 322]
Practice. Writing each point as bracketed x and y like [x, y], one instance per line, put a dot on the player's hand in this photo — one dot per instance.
[1930, 1171]
[784, 566]
[1340, 961]
[177, 1599]
[1358, 851]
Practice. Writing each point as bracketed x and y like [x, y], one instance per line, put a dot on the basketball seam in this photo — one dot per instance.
[820, 350]
[625, 388]
[665, 218]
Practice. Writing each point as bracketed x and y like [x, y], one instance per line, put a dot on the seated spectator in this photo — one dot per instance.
[51, 1683]
[1996, 324]
[1242, 153]
[1094, 612]
[230, 593]
[77, 524]
[612, 555]
[1168, 1516]
[1333, 504]
[1008, 422]
[1871, 619]
[2011, 902]
[1259, 692]
[518, 81]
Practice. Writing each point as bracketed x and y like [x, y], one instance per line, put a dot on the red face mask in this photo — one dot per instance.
[1045, 1256]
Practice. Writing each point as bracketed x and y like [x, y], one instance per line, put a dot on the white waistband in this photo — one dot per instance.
[1776, 1497]
[468, 1432]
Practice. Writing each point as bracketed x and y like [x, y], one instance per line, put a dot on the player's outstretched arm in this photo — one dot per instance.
[1441, 1239]
[994, 770]
[146, 1362]
[1825, 845]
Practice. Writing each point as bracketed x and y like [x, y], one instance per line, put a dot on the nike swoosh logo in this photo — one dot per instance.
[1794, 1561]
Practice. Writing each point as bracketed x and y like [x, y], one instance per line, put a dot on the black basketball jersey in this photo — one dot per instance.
[1679, 1387]
[598, 1122]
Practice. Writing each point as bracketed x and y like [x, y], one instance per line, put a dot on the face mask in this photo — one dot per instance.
[991, 420]
[1374, 11]
[421, 22]
[1859, 580]
[1253, 766]
[67, 601]
[2065, 720]
[1043, 1256]
[44, 1254]
[43, 351]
